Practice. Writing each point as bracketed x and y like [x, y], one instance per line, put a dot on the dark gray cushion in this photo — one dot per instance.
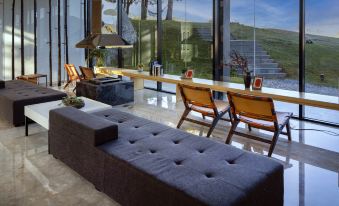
[91, 129]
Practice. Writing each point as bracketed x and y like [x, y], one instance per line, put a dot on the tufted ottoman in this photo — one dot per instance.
[17, 94]
[153, 164]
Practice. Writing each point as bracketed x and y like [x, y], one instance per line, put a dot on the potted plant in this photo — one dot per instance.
[99, 55]
[73, 102]
[240, 63]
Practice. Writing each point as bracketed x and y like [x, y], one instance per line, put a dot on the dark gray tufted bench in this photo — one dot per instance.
[153, 164]
[17, 94]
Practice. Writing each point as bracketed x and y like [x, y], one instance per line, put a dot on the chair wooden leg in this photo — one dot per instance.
[230, 134]
[288, 128]
[67, 84]
[274, 142]
[230, 115]
[183, 117]
[214, 123]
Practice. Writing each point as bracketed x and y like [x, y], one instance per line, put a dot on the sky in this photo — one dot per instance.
[322, 16]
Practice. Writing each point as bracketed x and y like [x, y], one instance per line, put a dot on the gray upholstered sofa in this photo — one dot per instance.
[16, 94]
[139, 162]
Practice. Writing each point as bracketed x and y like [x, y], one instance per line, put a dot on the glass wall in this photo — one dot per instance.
[75, 34]
[109, 21]
[266, 34]
[322, 52]
[139, 20]
[76, 31]
[187, 37]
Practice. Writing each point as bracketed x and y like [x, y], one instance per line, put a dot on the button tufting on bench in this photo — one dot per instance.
[106, 115]
[208, 175]
[136, 127]
[152, 151]
[231, 162]
[154, 134]
[201, 151]
[176, 142]
[178, 162]
[120, 121]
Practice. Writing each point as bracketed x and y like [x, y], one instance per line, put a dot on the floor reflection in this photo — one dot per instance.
[311, 161]
[29, 176]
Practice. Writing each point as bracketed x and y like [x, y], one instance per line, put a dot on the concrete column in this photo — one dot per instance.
[226, 38]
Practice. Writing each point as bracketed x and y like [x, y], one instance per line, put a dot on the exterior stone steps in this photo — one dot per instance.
[265, 65]
[272, 75]
[268, 70]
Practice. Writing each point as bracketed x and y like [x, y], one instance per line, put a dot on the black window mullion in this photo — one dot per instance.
[302, 54]
[159, 38]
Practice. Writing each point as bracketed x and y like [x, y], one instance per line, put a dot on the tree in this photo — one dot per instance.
[144, 8]
[127, 4]
[169, 15]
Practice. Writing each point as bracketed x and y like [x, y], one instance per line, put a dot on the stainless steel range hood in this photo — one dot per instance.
[98, 40]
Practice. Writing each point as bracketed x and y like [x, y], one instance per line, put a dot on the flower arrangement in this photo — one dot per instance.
[239, 62]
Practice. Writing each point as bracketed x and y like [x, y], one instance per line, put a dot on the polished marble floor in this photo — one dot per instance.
[29, 176]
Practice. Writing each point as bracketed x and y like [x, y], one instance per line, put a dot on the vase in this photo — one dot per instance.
[247, 80]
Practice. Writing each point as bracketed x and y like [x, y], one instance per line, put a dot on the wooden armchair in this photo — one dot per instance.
[72, 73]
[87, 73]
[200, 100]
[257, 112]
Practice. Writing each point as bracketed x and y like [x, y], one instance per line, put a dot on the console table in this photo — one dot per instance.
[33, 78]
[309, 99]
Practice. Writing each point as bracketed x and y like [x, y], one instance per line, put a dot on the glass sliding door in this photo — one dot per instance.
[322, 52]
